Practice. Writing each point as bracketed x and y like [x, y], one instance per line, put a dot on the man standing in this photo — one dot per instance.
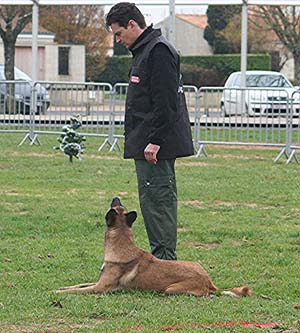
[157, 127]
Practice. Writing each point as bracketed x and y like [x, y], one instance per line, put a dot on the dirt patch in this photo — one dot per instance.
[16, 194]
[7, 204]
[182, 230]
[248, 147]
[11, 193]
[228, 204]
[60, 327]
[234, 204]
[72, 190]
[194, 203]
[32, 154]
[237, 157]
[102, 157]
[192, 163]
[212, 245]
[28, 329]
[122, 193]
[225, 204]
[24, 212]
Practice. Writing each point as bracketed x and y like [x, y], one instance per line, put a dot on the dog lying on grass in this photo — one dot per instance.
[126, 267]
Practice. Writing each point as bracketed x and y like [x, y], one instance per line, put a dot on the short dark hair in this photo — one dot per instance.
[122, 13]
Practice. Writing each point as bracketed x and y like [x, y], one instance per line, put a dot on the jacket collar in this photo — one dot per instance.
[144, 38]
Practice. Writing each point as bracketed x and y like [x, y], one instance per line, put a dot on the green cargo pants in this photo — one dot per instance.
[158, 202]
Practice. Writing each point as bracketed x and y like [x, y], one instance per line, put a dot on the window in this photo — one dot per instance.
[63, 60]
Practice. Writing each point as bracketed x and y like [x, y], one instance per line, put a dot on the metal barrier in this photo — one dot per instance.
[91, 101]
[15, 104]
[251, 116]
[258, 117]
[293, 131]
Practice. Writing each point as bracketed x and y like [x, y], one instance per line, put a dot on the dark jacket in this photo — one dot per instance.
[156, 111]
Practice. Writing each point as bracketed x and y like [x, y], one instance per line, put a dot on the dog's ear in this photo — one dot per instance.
[130, 218]
[110, 217]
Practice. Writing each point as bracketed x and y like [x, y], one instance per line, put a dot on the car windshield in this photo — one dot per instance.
[19, 75]
[264, 80]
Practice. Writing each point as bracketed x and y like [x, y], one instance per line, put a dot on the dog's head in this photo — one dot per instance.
[118, 215]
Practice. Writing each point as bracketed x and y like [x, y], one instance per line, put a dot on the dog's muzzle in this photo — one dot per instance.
[115, 202]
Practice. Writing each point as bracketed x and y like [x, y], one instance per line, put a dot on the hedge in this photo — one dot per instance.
[116, 70]
[196, 70]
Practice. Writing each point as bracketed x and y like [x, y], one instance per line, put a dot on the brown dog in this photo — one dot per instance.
[127, 267]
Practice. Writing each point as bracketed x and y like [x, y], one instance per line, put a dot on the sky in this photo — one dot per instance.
[155, 14]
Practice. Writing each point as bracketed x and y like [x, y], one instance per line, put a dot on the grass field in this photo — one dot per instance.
[239, 216]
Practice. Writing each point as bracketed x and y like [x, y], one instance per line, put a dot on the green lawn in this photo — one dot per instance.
[239, 216]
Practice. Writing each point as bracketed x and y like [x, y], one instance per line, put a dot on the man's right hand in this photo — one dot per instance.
[150, 153]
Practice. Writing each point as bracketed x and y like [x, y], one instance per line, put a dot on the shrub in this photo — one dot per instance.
[197, 76]
[209, 70]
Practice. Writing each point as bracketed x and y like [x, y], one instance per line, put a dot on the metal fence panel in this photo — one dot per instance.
[91, 101]
[293, 137]
[15, 106]
[243, 116]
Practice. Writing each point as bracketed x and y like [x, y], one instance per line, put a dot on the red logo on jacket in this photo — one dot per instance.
[135, 79]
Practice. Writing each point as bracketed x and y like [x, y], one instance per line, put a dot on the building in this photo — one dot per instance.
[189, 39]
[56, 62]
[189, 33]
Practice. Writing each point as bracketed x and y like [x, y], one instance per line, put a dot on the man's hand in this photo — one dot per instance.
[150, 153]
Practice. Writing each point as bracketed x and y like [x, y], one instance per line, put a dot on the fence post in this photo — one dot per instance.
[292, 150]
[111, 141]
[286, 150]
[31, 135]
[199, 147]
[197, 120]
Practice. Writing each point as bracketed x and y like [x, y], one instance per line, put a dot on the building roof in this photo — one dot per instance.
[198, 20]
[42, 31]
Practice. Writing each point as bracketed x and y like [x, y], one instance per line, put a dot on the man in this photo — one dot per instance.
[157, 127]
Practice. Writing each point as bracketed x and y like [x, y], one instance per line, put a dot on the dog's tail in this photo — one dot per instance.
[242, 291]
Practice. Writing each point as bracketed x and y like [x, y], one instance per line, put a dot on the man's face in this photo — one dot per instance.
[125, 36]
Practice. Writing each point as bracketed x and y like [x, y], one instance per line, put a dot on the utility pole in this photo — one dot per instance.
[172, 36]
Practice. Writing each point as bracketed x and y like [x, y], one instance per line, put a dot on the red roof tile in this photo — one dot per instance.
[199, 20]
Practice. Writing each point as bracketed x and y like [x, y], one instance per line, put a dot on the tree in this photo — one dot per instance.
[257, 42]
[284, 21]
[13, 19]
[218, 18]
[80, 25]
[260, 39]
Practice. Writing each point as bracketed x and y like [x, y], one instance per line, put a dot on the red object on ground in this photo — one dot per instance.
[241, 323]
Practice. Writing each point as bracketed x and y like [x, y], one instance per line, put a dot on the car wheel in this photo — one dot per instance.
[43, 108]
[223, 110]
[3, 108]
[248, 111]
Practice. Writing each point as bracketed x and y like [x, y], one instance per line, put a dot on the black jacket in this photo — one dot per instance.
[156, 111]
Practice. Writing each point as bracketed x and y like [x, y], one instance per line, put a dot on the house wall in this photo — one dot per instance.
[48, 60]
[23, 61]
[189, 39]
[76, 64]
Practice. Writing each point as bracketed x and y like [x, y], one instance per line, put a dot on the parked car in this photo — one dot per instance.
[16, 97]
[266, 92]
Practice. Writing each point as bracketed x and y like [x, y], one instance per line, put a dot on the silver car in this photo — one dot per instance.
[266, 93]
[16, 97]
